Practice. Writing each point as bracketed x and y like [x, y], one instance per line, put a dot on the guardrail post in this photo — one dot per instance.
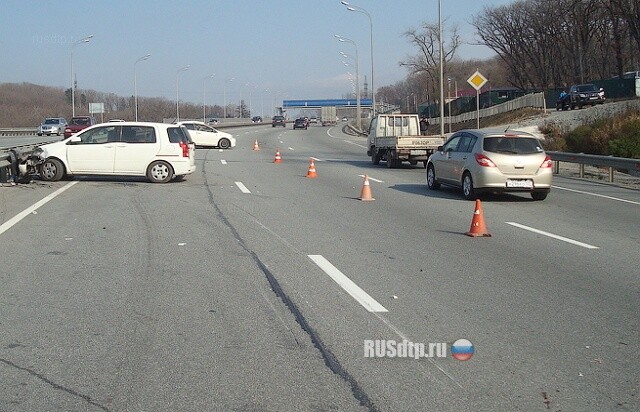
[556, 167]
[581, 170]
[611, 173]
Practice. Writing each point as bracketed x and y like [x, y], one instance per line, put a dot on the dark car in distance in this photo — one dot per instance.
[256, 119]
[278, 121]
[78, 123]
[300, 123]
[585, 94]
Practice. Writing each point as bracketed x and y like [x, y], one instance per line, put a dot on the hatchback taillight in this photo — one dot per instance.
[185, 149]
[546, 163]
[484, 161]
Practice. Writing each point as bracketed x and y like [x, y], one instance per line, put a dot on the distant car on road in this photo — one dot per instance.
[256, 119]
[213, 121]
[491, 160]
[585, 94]
[52, 125]
[206, 136]
[345, 119]
[159, 151]
[313, 120]
[300, 123]
[78, 123]
[278, 121]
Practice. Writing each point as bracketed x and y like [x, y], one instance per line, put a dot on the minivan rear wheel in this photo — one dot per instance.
[159, 172]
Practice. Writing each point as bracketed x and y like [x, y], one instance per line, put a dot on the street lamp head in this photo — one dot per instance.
[351, 8]
[86, 39]
[344, 3]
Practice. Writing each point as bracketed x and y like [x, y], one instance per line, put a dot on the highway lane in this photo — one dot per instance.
[613, 271]
[546, 316]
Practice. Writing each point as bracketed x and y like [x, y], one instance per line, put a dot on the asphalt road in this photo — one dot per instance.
[230, 290]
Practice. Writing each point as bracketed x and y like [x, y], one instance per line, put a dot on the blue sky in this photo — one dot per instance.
[272, 49]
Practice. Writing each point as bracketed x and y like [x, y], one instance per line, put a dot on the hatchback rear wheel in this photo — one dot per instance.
[467, 187]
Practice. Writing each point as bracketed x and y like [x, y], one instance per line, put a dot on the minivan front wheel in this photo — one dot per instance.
[467, 187]
[52, 170]
[159, 172]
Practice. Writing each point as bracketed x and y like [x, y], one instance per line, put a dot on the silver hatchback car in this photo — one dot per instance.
[491, 160]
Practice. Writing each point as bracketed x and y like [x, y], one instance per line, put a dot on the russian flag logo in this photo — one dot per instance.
[462, 350]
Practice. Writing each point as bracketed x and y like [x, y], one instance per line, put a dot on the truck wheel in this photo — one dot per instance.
[375, 157]
[432, 182]
[391, 163]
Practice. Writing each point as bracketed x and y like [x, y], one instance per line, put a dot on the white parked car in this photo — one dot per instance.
[205, 135]
[158, 151]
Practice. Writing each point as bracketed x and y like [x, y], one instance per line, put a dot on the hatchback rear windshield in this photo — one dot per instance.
[512, 145]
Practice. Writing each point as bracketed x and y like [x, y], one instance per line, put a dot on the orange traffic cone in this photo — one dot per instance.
[256, 146]
[278, 159]
[365, 193]
[478, 227]
[312, 169]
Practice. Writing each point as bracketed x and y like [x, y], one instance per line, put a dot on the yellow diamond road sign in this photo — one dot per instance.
[477, 80]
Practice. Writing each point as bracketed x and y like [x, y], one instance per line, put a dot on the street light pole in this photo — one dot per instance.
[73, 92]
[135, 84]
[441, 68]
[177, 94]
[224, 92]
[358, 107]
[363, 11]
[204, 97]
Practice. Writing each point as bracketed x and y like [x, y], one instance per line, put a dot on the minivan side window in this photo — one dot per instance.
[98, 136]
[178, 135]
[138, 134]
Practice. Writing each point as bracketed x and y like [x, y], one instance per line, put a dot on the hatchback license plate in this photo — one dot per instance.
[527, 184]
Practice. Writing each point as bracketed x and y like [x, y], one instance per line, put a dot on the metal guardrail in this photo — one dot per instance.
[621, 164]
[21, 131]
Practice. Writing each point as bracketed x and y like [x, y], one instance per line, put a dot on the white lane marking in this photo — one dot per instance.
[316, 159]
[355, 144]
[329, 134]
[17, 218]
[242, 187]
[224, 162]
[596, 194]
[371, 178]
[347, 284]
[564, 239]
[290, 148]
[220, 150]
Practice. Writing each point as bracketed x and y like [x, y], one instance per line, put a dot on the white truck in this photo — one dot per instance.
[328, 116]
[396, 138]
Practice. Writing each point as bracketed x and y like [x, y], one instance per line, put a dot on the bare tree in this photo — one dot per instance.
[424, 68]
